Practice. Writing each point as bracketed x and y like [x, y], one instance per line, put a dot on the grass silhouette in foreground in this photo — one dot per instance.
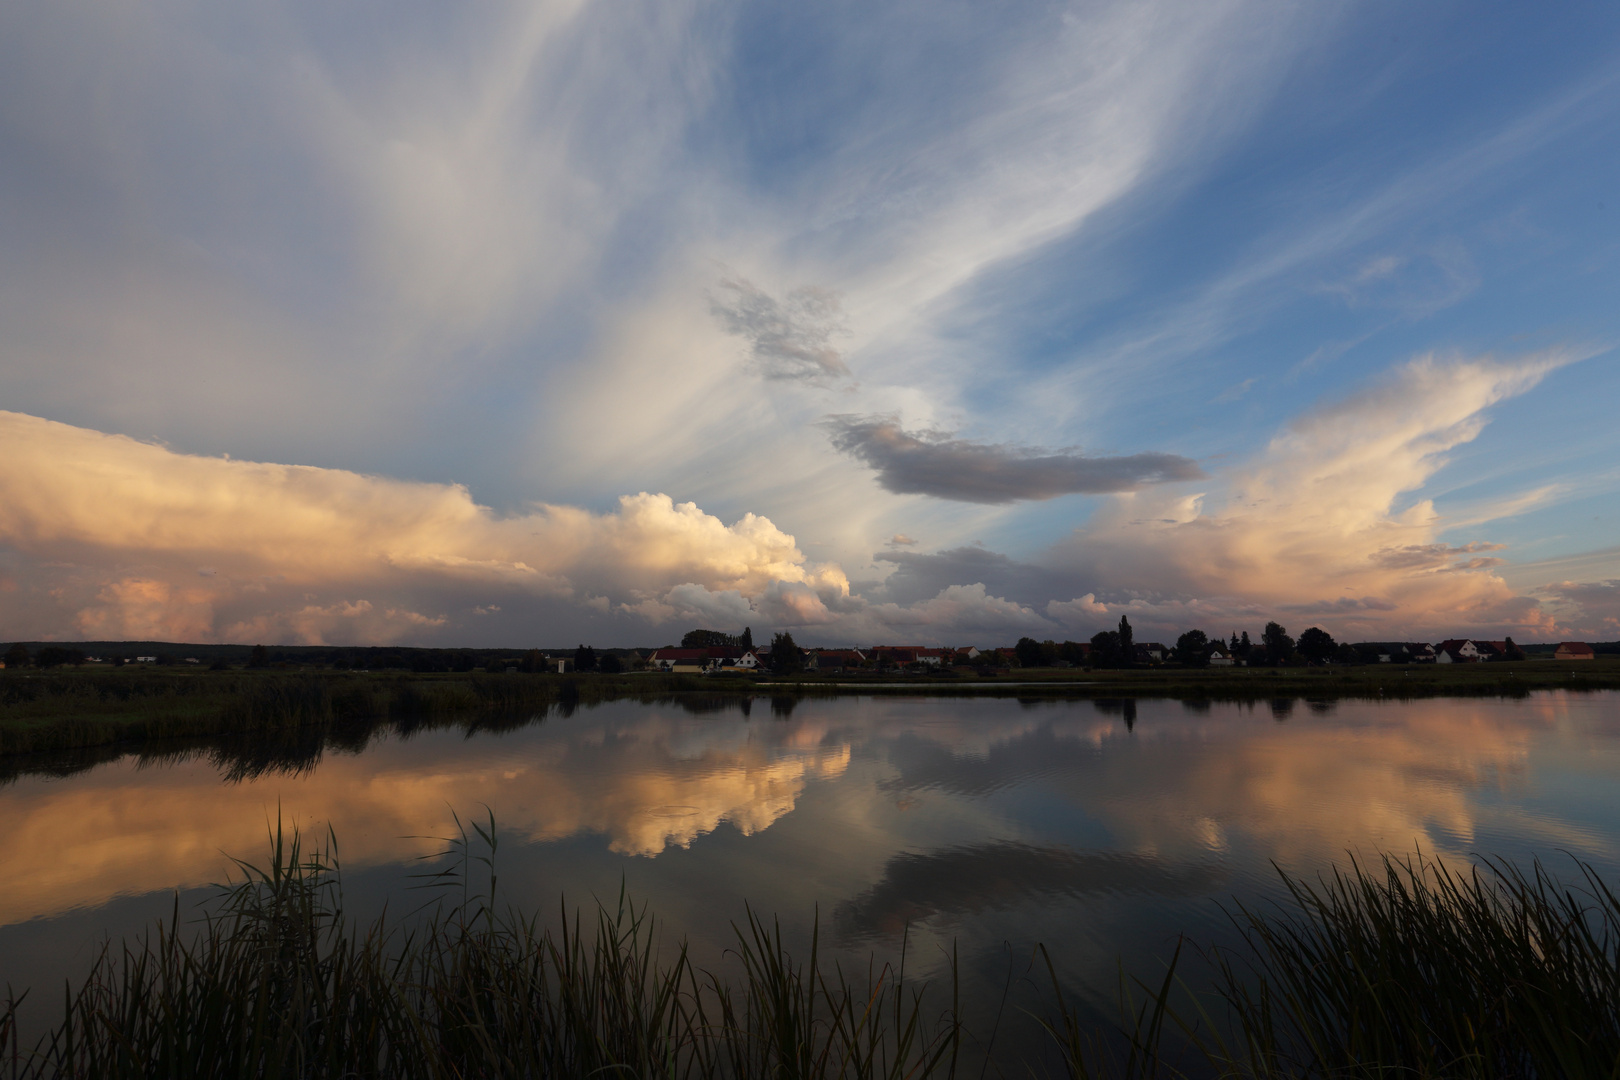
[1410, 969]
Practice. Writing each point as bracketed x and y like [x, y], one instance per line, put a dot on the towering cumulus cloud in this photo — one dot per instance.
[1314, 527]
[105, 537]
[148, 542]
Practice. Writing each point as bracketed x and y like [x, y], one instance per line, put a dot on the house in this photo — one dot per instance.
[146, 659]
[1219, 657]
[687, 661]
[834, 659]
[966, 652]
[908, 654]
[1492, 650]
[1150, 652]
[1574, 650]
[1457, 651]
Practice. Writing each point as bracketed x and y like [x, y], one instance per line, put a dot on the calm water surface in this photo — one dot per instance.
[1099, 828]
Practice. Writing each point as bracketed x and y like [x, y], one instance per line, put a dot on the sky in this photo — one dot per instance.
[525, 324]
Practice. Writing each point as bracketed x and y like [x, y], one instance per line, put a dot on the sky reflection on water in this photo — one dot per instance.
[986, 822]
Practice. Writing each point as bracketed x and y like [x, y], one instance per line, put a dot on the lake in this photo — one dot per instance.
[1099, 828]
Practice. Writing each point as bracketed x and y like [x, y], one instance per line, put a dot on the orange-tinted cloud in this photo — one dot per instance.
[1315, 529]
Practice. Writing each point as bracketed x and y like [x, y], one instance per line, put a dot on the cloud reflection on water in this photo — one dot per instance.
[1001, 796]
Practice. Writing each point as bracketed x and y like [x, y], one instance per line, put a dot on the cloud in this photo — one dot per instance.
[789, 338]
[901, 540]
[1315, 524]
[304, 553]
[933, 463]
[1596, 604]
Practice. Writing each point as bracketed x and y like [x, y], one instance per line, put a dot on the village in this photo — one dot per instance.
[1110, 649]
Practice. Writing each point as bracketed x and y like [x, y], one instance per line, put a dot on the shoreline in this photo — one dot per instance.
[47, 712]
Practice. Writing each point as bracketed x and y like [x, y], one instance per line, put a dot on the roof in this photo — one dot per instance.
[1579, 648]
[715, 652]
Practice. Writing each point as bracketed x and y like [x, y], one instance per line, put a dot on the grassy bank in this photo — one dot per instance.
[69, 710]
[44, 713]
[1244, 683]
[1402, 969]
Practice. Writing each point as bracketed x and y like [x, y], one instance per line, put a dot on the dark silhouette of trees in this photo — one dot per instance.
[52, 656]
[1105, 649]
[1072, 652]
[1279, 646]
[610, 664]
[1192, 649]
[1245, 647]
[584, 658]
[259, 657]
[710, 639]
[786, 658]
[1513, 652]
[1127, 643]
[747, 639]
[17, 656]
[1316, 645]
[1028, 651]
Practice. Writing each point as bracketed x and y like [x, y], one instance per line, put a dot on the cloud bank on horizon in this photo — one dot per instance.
[533, 323]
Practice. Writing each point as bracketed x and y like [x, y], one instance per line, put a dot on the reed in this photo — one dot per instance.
[278, 982]
[1408, 968]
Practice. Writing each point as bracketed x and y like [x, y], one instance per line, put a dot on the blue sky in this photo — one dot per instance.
[1202, 313]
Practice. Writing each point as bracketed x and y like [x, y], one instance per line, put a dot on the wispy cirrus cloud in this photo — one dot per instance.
[928, 462]
[790, 337]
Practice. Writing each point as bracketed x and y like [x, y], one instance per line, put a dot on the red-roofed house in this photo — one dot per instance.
[1457, 651]
[1574, 650]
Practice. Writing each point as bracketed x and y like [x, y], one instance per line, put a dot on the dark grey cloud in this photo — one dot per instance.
[967, 880]
[934, 463]
[918, 576]
[791, 337]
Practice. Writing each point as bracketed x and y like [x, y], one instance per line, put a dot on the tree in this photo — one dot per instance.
[1192, 649]
[1279, 646]
[259, 657]
[1028, 651]
[1245, 647]
[1232, 647]
[17, 656]
[1127, 643]
[610, 664]
[785, 656]
[747, 639]
[1105, 649]
[1316, 645]
[1513, 652]
[55, 656]
[584, 658]
[1348, 654]
[706, 639]
[1072, 652]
